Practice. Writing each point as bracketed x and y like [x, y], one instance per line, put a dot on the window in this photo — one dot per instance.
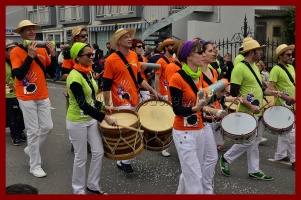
[276, 31]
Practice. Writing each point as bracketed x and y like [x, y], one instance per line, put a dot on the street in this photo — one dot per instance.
[153, 173]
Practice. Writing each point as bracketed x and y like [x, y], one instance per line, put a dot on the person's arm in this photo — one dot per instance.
[107, 83]
[21, 72]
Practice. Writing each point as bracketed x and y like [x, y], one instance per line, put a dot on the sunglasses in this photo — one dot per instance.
[139, 46]
[200, 52]
[83, 36]
[89, 55]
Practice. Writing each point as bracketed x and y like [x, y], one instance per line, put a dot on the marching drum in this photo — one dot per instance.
[156, 117]
[121, 143]
[278, 120]
[271, 100]
[239, 127]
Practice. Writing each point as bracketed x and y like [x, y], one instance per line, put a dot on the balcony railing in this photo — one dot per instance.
[109, 11]
[41, 15]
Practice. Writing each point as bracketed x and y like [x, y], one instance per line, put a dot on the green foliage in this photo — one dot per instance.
[289, 26]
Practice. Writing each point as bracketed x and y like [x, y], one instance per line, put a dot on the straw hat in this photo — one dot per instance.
[251, 45]
[283, 48]
[117, 35]
[246, 39]
[9, 43]
[166, 42]
[76, 30]
[25, 23]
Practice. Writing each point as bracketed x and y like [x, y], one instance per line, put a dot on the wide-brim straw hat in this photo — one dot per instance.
[251, 45]
[166, 42]
[283, 48]
[246, 39]
[25, 23]
[9, 43]
[117, 35]
[76, 30]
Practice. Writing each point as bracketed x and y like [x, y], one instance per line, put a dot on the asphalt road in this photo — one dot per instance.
[153, 173]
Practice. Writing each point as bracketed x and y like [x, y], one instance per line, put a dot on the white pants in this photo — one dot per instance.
[38, 123]
[218, 136]
[190, 146]
[251, 148]
[127, 106]
[286, 145]
[79, 134]
[144, 95]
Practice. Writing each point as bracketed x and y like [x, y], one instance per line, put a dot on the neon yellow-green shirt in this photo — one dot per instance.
[9, 79]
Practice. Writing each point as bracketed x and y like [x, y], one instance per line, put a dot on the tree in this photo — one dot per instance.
[289, 28]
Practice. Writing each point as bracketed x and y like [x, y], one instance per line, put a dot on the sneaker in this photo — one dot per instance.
[260, 176]
[224, 165]
[38, 172]
[127, 168]
[165, 153]
[23, 137]
[96, 191]
[221, 148]
[26, 151]
[293, 166]
[263, 140]
[16, 141]
[285, 159]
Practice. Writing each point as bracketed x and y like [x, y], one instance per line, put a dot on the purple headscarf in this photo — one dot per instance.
[185, 50]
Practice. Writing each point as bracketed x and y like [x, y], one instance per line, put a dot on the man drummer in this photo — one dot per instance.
[244, 82]
[284, 81]
[122, 80]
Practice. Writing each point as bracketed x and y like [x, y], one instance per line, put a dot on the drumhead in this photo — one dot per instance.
[239, 123]
[279, 117]
[124, 118]
[156, 115]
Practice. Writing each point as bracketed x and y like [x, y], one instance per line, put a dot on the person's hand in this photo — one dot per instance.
[221, 113]
[200, 103]
[110, 120]
[108, 109]
[50, 48]
[255, 109]
[32, 49]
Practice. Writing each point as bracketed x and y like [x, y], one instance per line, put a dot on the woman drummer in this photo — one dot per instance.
[188, 129]
[82, 116]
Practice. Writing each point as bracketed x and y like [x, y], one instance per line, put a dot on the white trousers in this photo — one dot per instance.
[190, 147]
[218, 136]
[38, 123]
[286, 146]
[144, 95]
[251, 148]
[79, 134]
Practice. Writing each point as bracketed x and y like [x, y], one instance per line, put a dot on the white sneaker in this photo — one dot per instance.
[26, 150]
[165, 153]
[38, 172]
[263, 140]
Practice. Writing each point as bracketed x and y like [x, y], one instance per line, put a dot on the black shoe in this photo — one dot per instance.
[23, 137]
[96, 191]
[127, 168]
[16, 141]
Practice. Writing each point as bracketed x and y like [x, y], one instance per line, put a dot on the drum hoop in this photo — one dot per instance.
[278, 129]
[254, 130]
[123, 111]
[151, 130]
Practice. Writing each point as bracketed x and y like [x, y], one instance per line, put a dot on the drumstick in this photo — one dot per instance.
[237, 108]
[268, 103]
[131, 128]
[227, 109]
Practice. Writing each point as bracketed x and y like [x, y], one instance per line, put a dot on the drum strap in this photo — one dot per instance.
[128, 66]
[288, 74]
[166, 60]
[189, 81]
[258, 81]
[177, 63]
[89, 83]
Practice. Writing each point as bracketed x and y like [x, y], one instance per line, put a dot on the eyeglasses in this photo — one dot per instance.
[82, 36]
[200, 52]
[89, 55]
[139, 46]
[289, 54]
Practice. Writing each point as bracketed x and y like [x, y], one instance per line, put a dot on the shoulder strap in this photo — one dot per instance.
[178, 63]
[166, 60]
[36, 59]
[89, 83]
[128, 66]
[189, 81]
[288, 74]
[208, 81]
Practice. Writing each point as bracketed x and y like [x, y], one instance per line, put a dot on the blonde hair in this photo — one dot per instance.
[262, 65]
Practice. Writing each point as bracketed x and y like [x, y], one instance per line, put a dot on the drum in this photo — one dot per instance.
[121, 143]
[239, 127]
[278, 120]
[99, 97]
[271, 100]
[156, 117]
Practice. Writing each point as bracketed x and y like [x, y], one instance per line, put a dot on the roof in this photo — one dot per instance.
[264, 13]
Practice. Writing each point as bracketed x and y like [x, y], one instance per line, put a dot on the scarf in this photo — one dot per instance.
[83, 69]
[189, 72]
